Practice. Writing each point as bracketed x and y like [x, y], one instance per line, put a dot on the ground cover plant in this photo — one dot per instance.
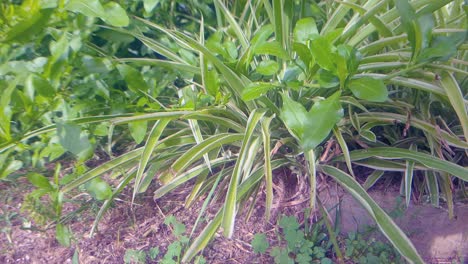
[220, 94]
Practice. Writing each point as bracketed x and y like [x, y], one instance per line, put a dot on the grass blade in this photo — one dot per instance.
[268, 173]
[151, 143]
[455, 96]
[229, 213]
[425, 159]
[119, 161]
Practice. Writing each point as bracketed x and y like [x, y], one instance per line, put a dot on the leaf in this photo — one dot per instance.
[260, 243]
[321, 50]
[385, 223]
[149, 5]
[294, 116]
[230, 209]
[271, 48]
[99, 189]
[63, 235]
[304, 30]
[303, 52]
[116, 15]
[133, 78]
[455, 95]
[409, 22]
[29, 27]
[72, 139]
[268, 67]
[138, 130]
[111, 13]
[442, 48]
[39, 181]
[255, 90]
[90, 8]
[368, 88]
[37, 84]
[422, 158]
[12, 166]
[320, 121]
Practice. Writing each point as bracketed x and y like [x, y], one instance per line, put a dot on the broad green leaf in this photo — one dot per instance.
[303, 52]
[99, 189]
[321, 50]
[40, 181]
[442, 48]
[133, 78]
[29, 27]
[11, 167]
[368, 88]
[90, 8]
[116, 15]
[111, 13]
[37, 84]
[268, 67]
[394, 234]
[63, 235]
[255, 90]
[149, 5]
[294, 116]
[305, 28]
[326, 79]
[260, 243]
[72, 139]
[273, 48]
[138, 130]
[321, 119]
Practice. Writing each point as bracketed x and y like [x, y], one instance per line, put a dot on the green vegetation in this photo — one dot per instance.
[220, 94]
[315, 246]
[173, 252]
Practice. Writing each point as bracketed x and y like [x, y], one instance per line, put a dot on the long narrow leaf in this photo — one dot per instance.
[385, 223]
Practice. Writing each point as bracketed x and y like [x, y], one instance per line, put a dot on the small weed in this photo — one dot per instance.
[301, 247]
[174, 250]
[360, 249]
[315, 247]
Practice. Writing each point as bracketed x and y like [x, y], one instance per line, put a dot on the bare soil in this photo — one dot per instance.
[141, 226]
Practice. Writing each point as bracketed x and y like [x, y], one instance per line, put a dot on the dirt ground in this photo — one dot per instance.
[437, 238]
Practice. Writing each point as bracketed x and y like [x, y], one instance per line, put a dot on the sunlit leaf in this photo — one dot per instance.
[305, 28]
[370, 89]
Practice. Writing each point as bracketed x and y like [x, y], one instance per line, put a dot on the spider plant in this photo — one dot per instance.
[370, 75]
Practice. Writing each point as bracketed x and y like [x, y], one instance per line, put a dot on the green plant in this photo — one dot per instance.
[362, 249]
[315, 246]
[354, 69]
[173, 252]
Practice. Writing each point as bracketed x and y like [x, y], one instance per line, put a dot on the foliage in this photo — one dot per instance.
[314, 245]
[361, 249]
[203, 91]
[174, 250]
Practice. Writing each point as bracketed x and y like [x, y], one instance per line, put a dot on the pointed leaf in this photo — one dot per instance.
[138, 130]
[320, 121]
[255, 90]
[305, 28]
[368, 88]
